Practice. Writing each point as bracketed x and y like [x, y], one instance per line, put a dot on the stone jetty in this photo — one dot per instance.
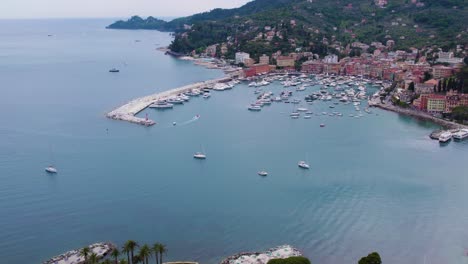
[280, 252]
[74, 256]
[128, 111]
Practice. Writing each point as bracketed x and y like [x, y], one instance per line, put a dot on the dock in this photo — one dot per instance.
[128, 111]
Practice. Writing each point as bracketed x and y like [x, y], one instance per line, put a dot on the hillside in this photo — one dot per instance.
[320, 26]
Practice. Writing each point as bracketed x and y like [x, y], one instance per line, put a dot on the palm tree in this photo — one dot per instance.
[93, 258]
[129, 247]
[155, 250]
[85, 252]
[162, 249]
[123, 261]
[115, 254]
[145, 253]
[107, 261]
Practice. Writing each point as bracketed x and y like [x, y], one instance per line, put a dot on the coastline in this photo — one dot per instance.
[449, 125]
[74, 256]
[279, 252]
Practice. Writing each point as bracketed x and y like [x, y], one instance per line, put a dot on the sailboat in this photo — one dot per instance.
[199, 155]
[51, 169]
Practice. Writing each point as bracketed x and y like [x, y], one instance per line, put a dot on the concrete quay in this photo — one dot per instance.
[128, 111]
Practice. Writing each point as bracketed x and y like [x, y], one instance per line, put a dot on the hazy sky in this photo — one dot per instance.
[108, 8]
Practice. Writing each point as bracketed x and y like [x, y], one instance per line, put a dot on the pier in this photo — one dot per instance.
[128, 111]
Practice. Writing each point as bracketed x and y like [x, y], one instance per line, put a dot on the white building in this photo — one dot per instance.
[331, 59]
[241, 57]
[448, 58]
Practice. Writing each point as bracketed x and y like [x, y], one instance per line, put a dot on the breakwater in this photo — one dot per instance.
[280, 252]
[128, 111]
[75, 257]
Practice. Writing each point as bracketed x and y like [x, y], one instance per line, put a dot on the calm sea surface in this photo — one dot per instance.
[376, 183]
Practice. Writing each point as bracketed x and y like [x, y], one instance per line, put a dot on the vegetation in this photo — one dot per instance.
[460, 113]
[245, 28]
[372, 258]
[290, 260]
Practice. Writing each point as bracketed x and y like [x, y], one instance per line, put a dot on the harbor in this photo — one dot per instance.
[74, 256]
[128, 111]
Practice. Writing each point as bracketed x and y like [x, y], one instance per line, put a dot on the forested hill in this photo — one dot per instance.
[318, 23]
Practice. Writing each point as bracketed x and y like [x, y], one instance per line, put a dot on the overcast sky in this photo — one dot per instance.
[109, 8]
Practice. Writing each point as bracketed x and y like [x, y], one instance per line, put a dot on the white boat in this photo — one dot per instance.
[161, 105]
[445, 137]
[175, 100]
[262, 173]
[206, 95]
[51, 169]
[255, 108]
[199, 155]
[303, 165]
[302, 109]
[307, 117]
[460, 135]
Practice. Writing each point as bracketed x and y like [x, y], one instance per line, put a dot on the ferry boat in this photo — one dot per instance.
[51, 169]
[445, 137]
[303, 165]
[262, 173]
[199, 155]
[114, 70]
[460, 135]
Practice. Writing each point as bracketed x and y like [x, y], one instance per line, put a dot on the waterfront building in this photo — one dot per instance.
[454, 99]
[285, 61]
[436, 103]
[312, 66]
[264, 59]
[241, 57]
[257, 69]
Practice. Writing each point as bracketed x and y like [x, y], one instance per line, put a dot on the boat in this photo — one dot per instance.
[460, 135]
[302, 109]
[255, 108]
[206, 95]
[303, 165]
[322, 125]
[307, 117]
[51, 169]
[199, 155]
[114, 70]
[174, 123]
[262, 173]
[161, 105]
[445, 137]
[175, 100]
[309, 113]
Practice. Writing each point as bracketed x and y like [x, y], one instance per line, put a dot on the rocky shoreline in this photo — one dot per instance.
[284, 251]
[74, 256]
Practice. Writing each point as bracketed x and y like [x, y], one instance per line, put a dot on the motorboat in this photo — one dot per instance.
[199, 155]
[161, 105]
[175, 100]
[445, 137]
[460, 135]
[206, 95]
[51, 169]
[322, 125]
[255, 108]
[303, 165]
[302, 109]
[307, 117]
[262, 173]
[114, 70]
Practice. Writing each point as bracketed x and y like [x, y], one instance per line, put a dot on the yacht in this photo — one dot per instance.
[51, 169]
[175, 100]
[309, 113]
[184, 97]
[303, 165]
[460, 135]
[114, 70]
[302, 109]
[161, 105]
[262, 173]
[445, 137]
[307, 117]
[255, 108]
[199, 155]
[206, 95]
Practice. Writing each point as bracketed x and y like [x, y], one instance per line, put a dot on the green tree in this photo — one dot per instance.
[93, 258]
[460, 113]
[115, 254]
[129, 248]
[290, 260]
[123, 261]
[107, 261]
[372, 258]
[85, 253]
[145, 253]
[160, 250]
[411, 87]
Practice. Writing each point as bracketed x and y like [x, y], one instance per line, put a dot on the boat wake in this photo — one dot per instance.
[194, 119]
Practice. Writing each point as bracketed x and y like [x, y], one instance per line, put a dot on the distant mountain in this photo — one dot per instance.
[317, 25]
